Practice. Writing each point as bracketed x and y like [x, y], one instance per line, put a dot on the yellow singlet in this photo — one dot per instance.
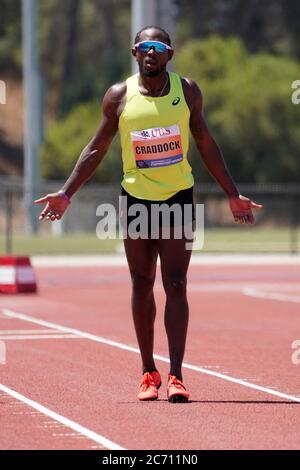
[154, 135]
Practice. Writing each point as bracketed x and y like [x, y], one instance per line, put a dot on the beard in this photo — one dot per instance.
[150, 73]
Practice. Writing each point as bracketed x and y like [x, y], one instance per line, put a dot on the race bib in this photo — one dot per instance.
[157, 147]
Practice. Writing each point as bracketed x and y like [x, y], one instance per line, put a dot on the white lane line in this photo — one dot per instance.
[82, 334]
[100, 339]
[20, 332]
[238, 287]
[25, 337]
[119, 260]
[271, 295]
[63, 420]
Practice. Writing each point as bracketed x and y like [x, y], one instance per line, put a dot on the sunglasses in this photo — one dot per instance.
[158, 46]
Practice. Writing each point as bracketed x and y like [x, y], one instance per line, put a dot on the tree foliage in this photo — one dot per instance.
[269, 25]
[84, 47]
[66, 139]
[248, 106]
[10, 37]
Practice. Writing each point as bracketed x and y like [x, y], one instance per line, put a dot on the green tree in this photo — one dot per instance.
[68, 136]
[270, 25]
[10, 38]
[84, 48]
[247, 102]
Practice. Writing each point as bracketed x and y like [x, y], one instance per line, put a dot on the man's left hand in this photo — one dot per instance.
[241, 208]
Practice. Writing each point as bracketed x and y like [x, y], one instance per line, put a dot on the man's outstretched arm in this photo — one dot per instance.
[213, 158]
[89, 159]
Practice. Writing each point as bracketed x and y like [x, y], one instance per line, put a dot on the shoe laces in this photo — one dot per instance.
[146, 382]
[174, 382]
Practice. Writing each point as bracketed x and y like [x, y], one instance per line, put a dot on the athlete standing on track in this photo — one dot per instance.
[158, 108]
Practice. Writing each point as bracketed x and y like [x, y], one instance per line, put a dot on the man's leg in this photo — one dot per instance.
[175, 260]
[142, 257]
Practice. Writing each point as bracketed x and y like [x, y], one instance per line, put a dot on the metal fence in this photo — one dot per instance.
[276, 228]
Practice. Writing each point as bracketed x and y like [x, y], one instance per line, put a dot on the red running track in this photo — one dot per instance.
[243, 321]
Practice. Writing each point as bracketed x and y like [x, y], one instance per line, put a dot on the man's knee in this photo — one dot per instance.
[175, 286]
[142, 284]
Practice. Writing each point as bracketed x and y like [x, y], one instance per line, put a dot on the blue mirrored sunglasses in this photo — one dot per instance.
[145, 46]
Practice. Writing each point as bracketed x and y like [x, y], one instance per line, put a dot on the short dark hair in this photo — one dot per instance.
[164, 34]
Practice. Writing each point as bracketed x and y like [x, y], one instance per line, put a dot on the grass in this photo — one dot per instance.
[238, 239]
[64, 245]
[242, 239]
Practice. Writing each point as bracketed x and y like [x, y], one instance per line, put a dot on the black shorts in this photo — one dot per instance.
[178, 210]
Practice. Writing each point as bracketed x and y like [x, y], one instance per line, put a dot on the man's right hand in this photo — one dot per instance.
[55, 208]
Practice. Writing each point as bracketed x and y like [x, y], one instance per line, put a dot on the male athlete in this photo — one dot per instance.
[154, 111]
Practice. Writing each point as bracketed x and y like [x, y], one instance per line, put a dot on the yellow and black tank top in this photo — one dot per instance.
[154, 134]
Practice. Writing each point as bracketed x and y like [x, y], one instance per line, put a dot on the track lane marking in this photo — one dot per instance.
[100, 339]
[82, 334]
[27, 337]
[20, 332]
[250, 292]
[203, 259]
[108, 444]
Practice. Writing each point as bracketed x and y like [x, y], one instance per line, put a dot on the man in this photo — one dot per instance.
[154, 111]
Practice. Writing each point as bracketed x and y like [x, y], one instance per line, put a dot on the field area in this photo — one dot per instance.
[237, 239]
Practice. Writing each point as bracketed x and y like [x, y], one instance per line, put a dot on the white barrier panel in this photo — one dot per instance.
[2, 92]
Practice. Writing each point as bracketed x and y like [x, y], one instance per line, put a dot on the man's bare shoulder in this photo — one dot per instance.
[191, 91]
[117, 91]
[114, 98]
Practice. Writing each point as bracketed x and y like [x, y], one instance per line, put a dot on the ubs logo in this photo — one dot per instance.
[145, 134]
[176, 101]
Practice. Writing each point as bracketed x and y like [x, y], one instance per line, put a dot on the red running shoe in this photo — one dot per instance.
[176, 391]
[150, 383]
